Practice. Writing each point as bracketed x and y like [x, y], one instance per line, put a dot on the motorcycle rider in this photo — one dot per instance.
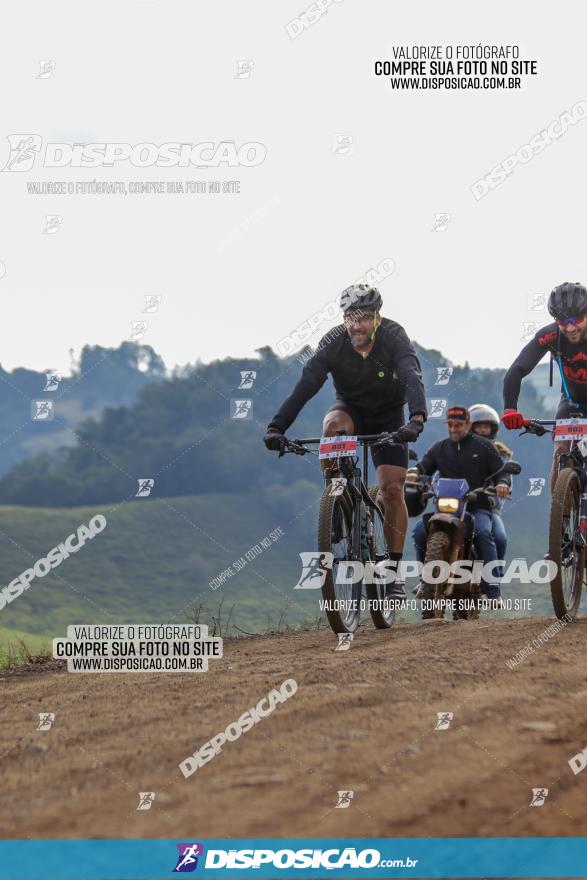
[485, 422]
[375, 371]
[566, 342]
[463, 455]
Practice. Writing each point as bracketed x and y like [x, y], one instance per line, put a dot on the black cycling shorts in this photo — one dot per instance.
[367, 423]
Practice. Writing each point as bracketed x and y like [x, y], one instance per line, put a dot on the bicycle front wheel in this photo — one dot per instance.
[381, 608]
[342, 599]
[565, 545]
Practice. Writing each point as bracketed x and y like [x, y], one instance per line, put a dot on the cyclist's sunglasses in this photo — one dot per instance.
[352, 317]
[563, 322]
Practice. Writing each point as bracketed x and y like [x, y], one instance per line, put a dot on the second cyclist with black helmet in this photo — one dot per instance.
[566, 342]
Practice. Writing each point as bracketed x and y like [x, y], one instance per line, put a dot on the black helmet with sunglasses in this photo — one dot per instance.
[568, 300]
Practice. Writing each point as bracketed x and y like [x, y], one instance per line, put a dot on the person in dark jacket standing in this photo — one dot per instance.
[375, 371]
[465, 455]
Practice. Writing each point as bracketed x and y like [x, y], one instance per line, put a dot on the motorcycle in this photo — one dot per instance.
[450, 532]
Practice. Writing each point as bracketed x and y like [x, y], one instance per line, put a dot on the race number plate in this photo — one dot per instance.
[570, 429]
[333, 447]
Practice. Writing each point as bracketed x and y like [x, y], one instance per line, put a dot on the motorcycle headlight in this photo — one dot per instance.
[448, 505]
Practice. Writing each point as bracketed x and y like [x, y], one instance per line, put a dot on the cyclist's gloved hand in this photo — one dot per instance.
[512, 419]
[409, 433]
[273, 439]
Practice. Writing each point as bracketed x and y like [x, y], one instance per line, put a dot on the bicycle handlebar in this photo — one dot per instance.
[537, 426]
[298, 446]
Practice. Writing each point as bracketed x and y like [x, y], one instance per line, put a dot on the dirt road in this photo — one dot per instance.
[361, 721]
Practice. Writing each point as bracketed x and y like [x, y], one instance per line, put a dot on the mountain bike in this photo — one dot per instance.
[567, 534]
[350, 529]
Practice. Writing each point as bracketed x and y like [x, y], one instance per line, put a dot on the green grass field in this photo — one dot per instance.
[153, 563]
[154, 560]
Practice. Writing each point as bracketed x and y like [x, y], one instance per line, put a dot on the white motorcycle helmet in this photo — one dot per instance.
[481, 412]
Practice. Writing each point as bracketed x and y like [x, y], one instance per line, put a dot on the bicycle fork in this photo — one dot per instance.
[583, 512]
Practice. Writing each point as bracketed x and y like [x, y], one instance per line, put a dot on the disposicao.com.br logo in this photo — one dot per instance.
[26, 150]
[331, 858]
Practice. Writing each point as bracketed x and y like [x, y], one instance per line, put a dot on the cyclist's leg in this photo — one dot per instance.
[339, 417]
[391, 463]
[563, 412]
[390, 479]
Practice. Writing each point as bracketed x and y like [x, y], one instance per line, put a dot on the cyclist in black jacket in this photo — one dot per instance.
[566, 342]
[465, 455]
[375, 371]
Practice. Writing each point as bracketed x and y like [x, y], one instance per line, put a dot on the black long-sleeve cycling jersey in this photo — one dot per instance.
[548, 340]
[473, 458]
[387, 378]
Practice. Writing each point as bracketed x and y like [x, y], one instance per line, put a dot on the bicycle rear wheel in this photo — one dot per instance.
[564, 547]
[382, 615]
[342, 600]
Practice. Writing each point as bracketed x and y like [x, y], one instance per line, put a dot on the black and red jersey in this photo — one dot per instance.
[548, 340]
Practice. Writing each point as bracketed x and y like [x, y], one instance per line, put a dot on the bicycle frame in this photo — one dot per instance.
[347, 467]
[578, 463]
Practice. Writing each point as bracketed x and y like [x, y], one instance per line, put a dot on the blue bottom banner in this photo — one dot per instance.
[304, 858]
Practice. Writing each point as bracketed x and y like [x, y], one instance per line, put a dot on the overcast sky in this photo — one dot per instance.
[239, 271]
